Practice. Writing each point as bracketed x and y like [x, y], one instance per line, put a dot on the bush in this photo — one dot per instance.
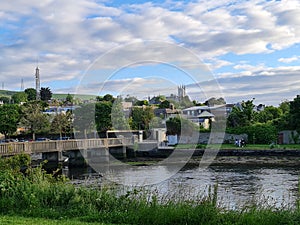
[257, 133]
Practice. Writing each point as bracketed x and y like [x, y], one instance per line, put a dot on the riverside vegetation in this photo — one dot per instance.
[31, 195]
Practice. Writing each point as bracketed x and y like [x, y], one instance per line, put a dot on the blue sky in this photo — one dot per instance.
[234, 49]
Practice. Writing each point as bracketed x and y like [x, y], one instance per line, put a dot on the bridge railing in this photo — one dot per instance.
[62, 145]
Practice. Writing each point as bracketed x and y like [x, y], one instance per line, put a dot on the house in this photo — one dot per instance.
[204, 119]
[202, 115]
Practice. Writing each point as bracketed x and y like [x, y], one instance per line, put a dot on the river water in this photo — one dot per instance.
[238, 185]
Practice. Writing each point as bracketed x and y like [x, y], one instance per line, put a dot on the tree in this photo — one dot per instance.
[131, 99]
[107, 98]
[103, 116]
[84, 120]
[19, 97]
[173, 126]
[180, 126]
[62, 123]
[46, 94]
[33, 118]
[9, 119]
[270, 113]
[119, 121]
[31, 94]
[283, 122]
[164, 105]
[213, 101]
[141, 103]
[69, 98]
[295, 113]
[5, 99]
[141, 118]
[186, 102]
[242, 115]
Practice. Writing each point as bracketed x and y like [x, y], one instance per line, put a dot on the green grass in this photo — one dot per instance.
[19, 220]
[80, 96]
[247, 147]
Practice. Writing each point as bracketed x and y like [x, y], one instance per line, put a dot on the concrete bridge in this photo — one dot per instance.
[53, 150]
[13, 148]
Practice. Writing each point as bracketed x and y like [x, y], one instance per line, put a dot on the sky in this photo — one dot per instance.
[237, 50]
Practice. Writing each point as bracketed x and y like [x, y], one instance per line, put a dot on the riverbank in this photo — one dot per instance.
[37, 196]
[229, 160]
[287, 155]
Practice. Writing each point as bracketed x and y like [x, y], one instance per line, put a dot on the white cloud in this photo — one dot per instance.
[66, 36]
[289, 60]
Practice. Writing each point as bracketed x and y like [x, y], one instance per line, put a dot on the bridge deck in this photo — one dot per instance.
[14, 148]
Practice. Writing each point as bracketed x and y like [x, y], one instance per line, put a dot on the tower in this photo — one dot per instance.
[181, 92]
[22, 84]
[37, 83]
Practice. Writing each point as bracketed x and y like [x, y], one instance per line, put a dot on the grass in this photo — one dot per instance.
[39, 198]
[19, 220]
[247, 147]
[80, 96]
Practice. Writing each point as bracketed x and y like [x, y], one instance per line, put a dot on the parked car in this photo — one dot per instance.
[42, 139]
[63, 138]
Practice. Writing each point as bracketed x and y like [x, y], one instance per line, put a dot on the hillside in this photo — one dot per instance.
[8, 93]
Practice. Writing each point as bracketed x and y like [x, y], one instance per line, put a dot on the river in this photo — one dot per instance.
[238, 185]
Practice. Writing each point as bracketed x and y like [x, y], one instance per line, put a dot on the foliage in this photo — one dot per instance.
[295, 113]
[38, 195]
[180, 126]
[103, 116]
[268, 114]
[132, 99]
[141, 103]
[119, 121]
[46, 94]
[257, 133]
[33, 119]
[9, 119]
[141, 118]
[69, 98]
[31, 94]
[213, 101]
[19, 97]
[5, 99]
[173, 126]
[84, 119]
[157, 122]
[242, 115]
[62, 123]
[164, 105]
[106, 98]
[186, 102]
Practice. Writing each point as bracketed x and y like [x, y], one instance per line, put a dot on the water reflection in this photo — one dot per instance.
[238, 186]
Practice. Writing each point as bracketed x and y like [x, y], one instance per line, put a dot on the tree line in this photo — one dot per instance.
[106, 113]
[262, 126]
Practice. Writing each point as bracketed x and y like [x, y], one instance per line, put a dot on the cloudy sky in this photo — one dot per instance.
[238, 50]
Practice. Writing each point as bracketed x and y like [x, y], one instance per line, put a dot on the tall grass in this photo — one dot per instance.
[35, 193]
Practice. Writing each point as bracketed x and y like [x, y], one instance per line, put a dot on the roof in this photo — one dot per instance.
[206, 114]
[204, 107]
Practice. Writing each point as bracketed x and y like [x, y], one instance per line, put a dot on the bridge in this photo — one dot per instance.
[59, 146]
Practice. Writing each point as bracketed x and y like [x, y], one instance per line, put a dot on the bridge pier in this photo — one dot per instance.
[52, 158]
[76, 158]
[118, 152]
[99, 155]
